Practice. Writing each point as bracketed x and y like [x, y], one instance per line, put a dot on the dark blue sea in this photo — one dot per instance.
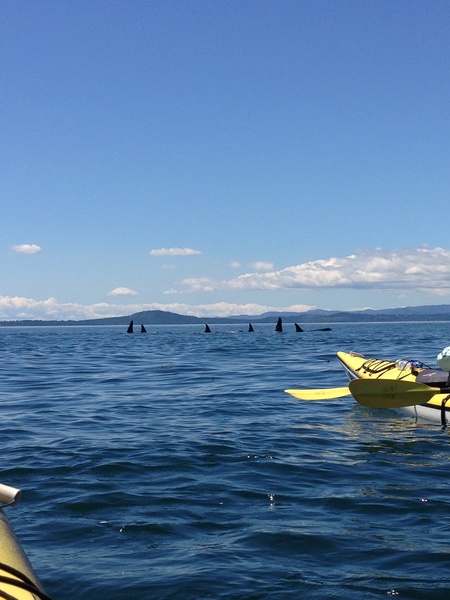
[172, 466]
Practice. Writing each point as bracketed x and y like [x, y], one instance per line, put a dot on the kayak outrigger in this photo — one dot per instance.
[403, 384]
[18, 581]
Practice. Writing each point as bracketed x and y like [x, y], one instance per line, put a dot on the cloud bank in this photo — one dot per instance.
[424, 269]
[20, 308]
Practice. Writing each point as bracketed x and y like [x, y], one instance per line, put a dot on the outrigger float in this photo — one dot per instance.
[18, 581]
[409, 385]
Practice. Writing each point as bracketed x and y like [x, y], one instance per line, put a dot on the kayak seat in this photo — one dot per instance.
[433, 377]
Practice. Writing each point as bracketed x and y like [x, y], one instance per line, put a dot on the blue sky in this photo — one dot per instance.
[223, 157]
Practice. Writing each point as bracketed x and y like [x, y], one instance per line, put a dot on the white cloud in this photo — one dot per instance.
[261, 266]
[122, 291]
[200, 284]
[235, 264]
[26, 249]
[174, 252]
[424, 269]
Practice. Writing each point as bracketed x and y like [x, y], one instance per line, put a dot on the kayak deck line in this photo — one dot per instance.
[19, 584]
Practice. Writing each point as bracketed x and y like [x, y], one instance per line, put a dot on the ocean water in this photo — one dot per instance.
[171, 465]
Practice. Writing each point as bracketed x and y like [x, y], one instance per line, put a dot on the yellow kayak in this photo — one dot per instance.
[437, 408]
[18, 580]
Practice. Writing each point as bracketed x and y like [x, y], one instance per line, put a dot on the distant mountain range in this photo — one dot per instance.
[430, 312]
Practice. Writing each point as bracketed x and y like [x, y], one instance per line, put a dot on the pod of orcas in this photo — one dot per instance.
[278, 328]
[131, 328]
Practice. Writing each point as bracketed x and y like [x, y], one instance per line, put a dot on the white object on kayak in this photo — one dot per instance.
[9, 495]
[443, 359]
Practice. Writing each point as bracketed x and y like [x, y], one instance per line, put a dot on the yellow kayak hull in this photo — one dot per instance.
[358, 366]
[18, 580]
